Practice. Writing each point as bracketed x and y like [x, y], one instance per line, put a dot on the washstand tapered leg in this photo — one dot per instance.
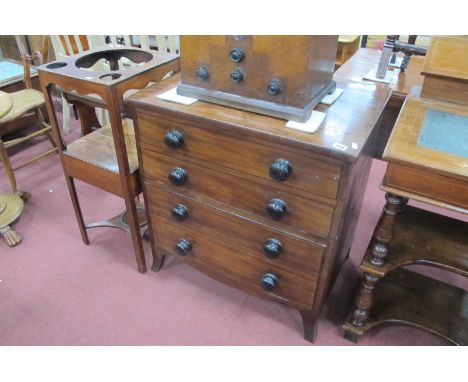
[134, 225]
[77, 208]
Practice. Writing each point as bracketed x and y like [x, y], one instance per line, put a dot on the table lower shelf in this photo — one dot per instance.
[409, 298]
[427, 238]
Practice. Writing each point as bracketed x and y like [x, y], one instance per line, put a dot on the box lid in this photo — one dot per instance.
[447, 57]
[431, 135]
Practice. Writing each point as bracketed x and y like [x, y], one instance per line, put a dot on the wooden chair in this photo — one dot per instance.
[105, 158]
[26, 102]
[11, 206]
[347, 46]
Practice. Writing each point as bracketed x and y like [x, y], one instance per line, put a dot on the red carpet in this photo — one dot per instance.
[56, 291]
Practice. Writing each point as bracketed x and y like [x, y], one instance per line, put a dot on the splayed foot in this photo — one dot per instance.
[25, 195]
[10, 236]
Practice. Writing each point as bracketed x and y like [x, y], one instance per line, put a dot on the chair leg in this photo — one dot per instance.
[42, 121]
[7, 165]
[133, 224]
[75, 112]
[66, 115]
[77, 208]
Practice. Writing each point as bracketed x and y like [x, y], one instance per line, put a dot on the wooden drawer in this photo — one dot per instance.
[427, 185]
[307, 216]
[232, 264]
[297, 254]
[308, 174]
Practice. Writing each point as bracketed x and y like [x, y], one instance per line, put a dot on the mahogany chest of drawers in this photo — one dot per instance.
[245, 200]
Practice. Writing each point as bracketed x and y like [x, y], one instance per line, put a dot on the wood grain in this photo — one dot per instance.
[302, 64]
[308, 175]
[298, 254]
[307, 216]
[226, 259]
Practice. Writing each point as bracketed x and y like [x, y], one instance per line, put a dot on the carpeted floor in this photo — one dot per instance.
[54, 290]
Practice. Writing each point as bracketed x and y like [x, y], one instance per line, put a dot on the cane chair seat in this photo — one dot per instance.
[6, 103]
[23, 101]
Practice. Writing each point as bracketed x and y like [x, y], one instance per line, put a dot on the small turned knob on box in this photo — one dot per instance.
[237, 75]
[269, 281]
[174, 139]
[280, 170]
[202, 73]
[272, 248]
[180, 212]
[178, 176]
[237, 54]
[274, 87]
[277, 208]
[183, 247]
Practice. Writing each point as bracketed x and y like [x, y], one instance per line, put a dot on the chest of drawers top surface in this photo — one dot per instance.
[346, 130]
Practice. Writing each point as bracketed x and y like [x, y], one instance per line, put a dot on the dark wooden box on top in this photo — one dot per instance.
[281, 76]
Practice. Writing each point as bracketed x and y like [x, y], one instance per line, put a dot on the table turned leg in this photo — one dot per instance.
[383, 233]
[363, 300]
[378, 253]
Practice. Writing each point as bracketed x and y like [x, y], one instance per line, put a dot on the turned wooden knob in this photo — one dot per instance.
[269, 281]
[174, 139]
[272, 248]
[202, 73]
[180, 212]
[281, 170]
[183, 247]
[277, 208]
[274, 87]
[178, 176]
[237, 54]
[237, 75]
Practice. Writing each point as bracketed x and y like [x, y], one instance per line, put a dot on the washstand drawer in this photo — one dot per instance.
[232, 264]
[275, 164]
[308, 216]
[264, 243]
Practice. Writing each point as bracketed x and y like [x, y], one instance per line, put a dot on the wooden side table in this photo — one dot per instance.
[428, 162]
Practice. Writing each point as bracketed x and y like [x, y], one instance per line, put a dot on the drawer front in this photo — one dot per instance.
[229, 262]
[428, 185]
[307, 216]
[307, 174]
[295, 253]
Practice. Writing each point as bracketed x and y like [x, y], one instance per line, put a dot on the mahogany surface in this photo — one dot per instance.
[445, 70]
[300, 66]
[305, 216]
[224, 153]
[359, 65]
